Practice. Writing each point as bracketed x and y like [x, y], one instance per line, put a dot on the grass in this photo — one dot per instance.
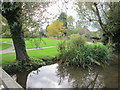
[46, 42]
[4, 46]
[9, 40]
[34, 54]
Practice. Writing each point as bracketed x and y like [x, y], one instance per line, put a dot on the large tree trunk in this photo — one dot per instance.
[19, 44]
[13, 13]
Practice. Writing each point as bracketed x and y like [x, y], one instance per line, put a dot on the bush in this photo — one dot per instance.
[68, 49]
[74, 36]
[18, 66]
[76, 52]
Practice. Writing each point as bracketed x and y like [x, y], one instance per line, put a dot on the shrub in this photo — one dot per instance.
[74, 36]
[67, 49]
[18, 66]
[76, 52]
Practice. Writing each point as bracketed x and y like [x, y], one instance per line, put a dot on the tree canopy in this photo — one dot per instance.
[56, 29]
[103, 15]
[70, 21]
[19, 15]
[63, 18]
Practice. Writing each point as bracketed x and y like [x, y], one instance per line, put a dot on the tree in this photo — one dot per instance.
[63, 18]
[56, 29]
[20, 16]
[12, 11]
[103, 15]
[70, 21]
[5, 28]
[113, 22]
[79, 25]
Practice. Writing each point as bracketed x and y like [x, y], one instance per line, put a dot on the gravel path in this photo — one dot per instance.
[11, 49]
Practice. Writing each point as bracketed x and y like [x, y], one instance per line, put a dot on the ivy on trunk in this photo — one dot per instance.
[12, 11]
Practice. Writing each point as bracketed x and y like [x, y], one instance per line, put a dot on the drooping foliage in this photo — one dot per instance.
[103, 15]
[19, 16]
[113, 22]
[5, 28]
[12, 11]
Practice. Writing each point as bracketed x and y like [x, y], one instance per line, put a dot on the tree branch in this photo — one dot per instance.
[104, 11]
[99, 18]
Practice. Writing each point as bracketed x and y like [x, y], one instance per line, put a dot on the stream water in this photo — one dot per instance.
[61, 76]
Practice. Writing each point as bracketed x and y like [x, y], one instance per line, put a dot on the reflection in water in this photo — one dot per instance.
[80, 78]
[61, 76]
[46, 77]
[22, 78]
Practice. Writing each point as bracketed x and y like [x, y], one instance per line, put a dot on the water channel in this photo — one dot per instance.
[61, 76]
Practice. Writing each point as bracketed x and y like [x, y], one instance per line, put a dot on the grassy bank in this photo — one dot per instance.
[34, 54]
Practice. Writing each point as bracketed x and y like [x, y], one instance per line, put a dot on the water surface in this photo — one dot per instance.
[61, 76]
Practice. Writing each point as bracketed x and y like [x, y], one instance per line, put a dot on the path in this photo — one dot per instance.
[8, 50]
[11, 49]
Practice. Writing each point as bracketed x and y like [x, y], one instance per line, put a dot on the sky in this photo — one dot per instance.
[55, 9]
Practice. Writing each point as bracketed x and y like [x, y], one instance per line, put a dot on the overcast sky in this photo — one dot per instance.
[54, 11]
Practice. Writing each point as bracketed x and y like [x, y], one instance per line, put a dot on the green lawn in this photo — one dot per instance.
[31, 43]
[35, 54]
[4, 46]
[44, 43]
[9, 40]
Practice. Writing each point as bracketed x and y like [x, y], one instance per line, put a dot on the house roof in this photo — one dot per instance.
[83, 31]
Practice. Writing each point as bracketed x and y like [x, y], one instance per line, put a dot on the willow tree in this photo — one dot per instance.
[103, 15]
[12, 11]
[15, 13]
